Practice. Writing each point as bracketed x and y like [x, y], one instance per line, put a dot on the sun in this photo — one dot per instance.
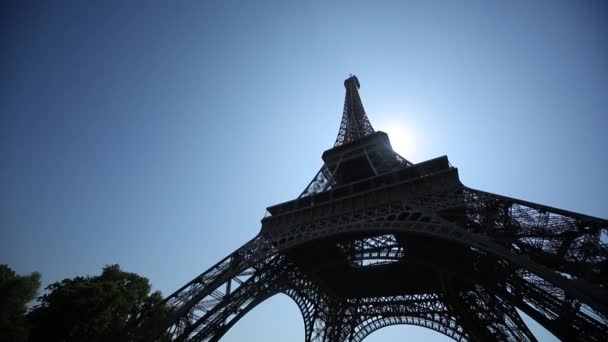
[402, 136]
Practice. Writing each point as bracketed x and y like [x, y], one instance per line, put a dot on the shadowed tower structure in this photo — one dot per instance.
[375, 240]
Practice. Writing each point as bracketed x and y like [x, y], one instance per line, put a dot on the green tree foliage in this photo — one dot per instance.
[15, 292]
[94, 308]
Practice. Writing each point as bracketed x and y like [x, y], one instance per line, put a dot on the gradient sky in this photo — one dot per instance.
[155, 136]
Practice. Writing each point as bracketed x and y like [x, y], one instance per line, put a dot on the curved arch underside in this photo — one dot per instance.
[328, 319]
[433, 261]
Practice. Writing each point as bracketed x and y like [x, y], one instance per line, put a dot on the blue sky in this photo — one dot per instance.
[155, 136]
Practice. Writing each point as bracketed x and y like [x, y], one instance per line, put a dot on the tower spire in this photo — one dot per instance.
[355, 123]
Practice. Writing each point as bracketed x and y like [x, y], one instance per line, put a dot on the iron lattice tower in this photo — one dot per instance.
[375, 240]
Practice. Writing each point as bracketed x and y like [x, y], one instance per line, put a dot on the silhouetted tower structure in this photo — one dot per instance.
[375, 240]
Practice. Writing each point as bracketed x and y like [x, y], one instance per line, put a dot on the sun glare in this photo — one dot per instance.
[403, 137]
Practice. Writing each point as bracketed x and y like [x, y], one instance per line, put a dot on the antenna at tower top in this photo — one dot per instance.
[352, 79]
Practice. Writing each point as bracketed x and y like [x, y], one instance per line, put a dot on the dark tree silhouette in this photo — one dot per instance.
[93, 308]
[15, 292]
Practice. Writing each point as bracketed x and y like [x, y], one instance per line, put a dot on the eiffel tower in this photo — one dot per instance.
[375, 240]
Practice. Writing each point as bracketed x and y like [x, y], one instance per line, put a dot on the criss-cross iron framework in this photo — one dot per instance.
[375, 240]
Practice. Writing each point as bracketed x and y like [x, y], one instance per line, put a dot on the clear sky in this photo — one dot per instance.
[155, 136]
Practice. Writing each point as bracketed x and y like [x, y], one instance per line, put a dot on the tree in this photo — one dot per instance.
[15, 292]
[94, 308]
